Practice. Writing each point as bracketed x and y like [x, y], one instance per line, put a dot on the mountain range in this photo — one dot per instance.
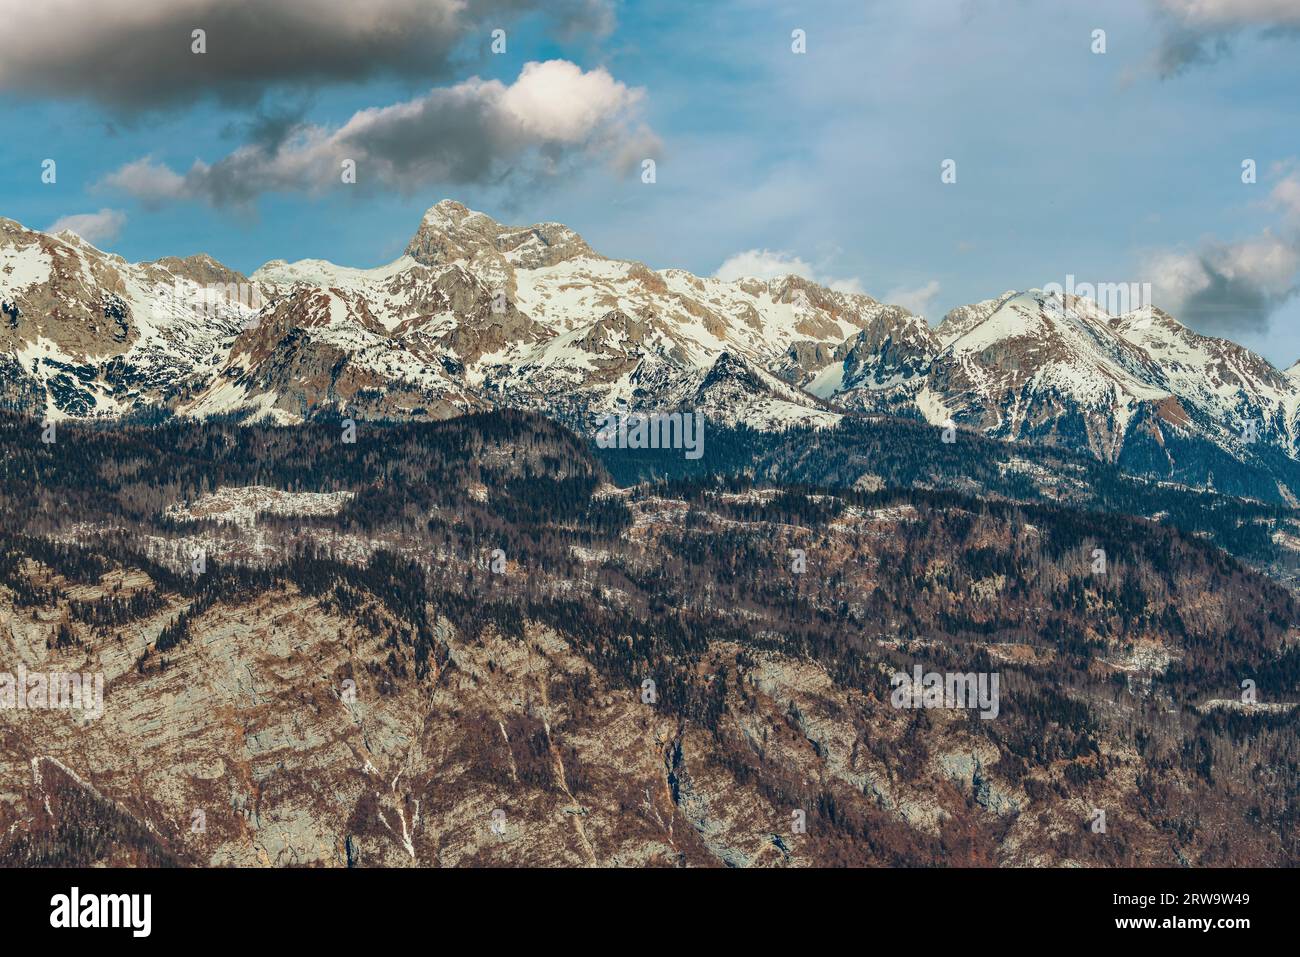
[478, 315]
[466, 633]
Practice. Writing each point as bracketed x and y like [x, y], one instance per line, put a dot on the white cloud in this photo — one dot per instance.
[101, 227]
[151, 183]
[767, 264]
[1286, 197]
[557, 101]
[1234, 12]
[853, 285]
[1267, 262]
[764, 264]
[918, 301]
[1175, 276]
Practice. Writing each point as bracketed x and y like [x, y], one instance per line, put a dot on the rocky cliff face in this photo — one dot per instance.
[85, 333]
[455, 644]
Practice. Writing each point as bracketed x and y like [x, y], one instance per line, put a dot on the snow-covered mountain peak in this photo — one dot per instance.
[85, 333]
[1233, 384]
[962, 319]
[1038, 317]
[1043, 365]
[325, 274]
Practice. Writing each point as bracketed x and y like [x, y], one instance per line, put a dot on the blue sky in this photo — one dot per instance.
[1115, 167]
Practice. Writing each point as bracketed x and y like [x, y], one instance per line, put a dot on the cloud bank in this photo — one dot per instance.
[476, 131]
[767, 264]
[138, 54]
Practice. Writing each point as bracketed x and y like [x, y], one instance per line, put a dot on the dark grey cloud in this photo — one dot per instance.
[1202, 31]
[271, 124]
[476, 131]
[1181, 49]
[1231, 305]
[1227, 289]
[134, 55]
